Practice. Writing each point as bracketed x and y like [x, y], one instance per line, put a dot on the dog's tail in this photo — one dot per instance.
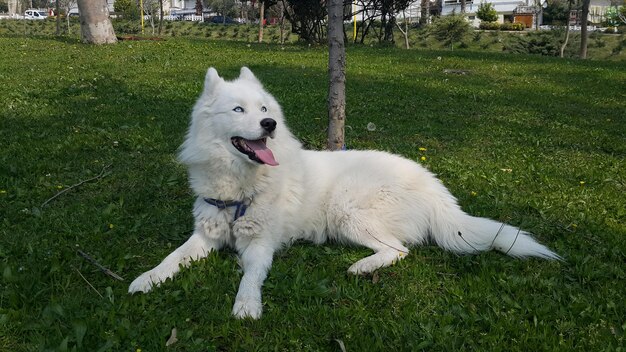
[459, 232]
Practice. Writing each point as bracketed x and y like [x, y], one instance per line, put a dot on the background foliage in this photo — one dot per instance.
[486, 12]
[451, 29]
[436, 36]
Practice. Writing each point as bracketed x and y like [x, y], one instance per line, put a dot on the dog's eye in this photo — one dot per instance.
[238, 109]
[263, 109]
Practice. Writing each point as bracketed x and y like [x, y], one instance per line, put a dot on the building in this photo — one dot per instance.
[597, 10]
[528, 12]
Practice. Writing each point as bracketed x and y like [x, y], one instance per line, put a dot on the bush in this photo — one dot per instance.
[126, 27]
[451, 29]
[620, 46]
[615, 30]
[599, 42]
[555, 12]
[489, 26]
[486, 12]
[543, 43]
[127, 8]
[512, 26]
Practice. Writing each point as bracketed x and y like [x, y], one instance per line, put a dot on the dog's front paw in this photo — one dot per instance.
[246, 228]
[144, 282]
[247, 308]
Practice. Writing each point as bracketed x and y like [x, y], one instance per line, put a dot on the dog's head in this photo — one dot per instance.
[237, 116]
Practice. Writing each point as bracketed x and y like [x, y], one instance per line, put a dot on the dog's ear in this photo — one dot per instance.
[246, 74]
[211, 80]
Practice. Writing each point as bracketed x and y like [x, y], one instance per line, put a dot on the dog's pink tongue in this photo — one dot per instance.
[262, 152]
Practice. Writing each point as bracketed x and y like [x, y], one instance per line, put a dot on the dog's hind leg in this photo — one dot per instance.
[385, 255]
[375, 236]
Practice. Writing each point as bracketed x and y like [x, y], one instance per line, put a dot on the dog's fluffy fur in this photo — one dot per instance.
[368, 198]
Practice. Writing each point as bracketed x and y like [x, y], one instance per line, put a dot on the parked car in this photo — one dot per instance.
[35, 15]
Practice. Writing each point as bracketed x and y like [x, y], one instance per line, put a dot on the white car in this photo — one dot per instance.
[35, 15]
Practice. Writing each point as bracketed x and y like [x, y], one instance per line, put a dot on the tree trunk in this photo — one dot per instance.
[463, 6]
[538, 11]
[282, 22]
[405, 31]
[424, 11]
[261, 18]
[152, 25]
[569, 10]
[67, 16]
[95, 25]
[391, 23]
[160, 16]
[583, 29]
[337, 76]
[57, 10]
[383, 22]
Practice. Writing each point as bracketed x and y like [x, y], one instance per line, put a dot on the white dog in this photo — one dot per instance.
[258, 190]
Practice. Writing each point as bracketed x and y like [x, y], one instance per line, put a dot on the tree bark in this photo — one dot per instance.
[160, 16]
[405, 31]
[337, 76]
[261, 17]
[57, 12]
[583, 29]
[569, 10]
[95, 25]
[282, 22]
[424, 11]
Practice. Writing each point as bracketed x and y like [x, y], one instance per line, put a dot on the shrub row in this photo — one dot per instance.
[615, 30]
[543, 43]
[503, 27]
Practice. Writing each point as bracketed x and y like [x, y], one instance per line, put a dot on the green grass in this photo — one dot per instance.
[539, 142]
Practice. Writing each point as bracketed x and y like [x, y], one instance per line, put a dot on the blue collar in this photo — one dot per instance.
[240, 206]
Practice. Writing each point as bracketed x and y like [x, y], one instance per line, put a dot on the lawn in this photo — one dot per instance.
[538, 142]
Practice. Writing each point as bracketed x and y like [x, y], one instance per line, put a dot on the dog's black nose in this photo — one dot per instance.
[268, 124]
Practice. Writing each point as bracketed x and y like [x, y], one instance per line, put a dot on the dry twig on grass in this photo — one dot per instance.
[88, 283]
[100, 175]
[100, 266]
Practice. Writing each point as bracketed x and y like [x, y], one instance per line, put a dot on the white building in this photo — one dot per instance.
[524, 11]
[529, 12]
